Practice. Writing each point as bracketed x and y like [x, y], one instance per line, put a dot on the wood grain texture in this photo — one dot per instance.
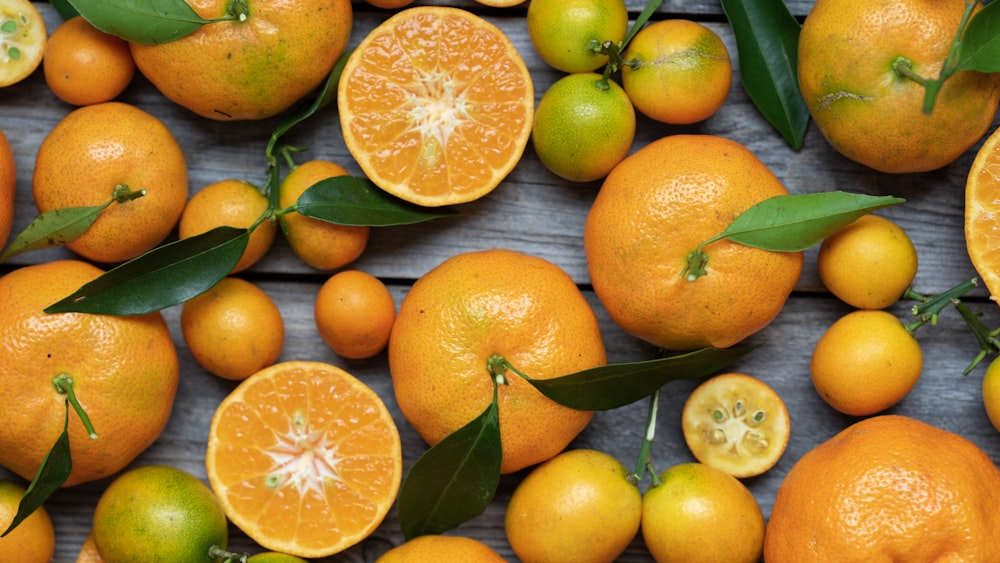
[535, 212]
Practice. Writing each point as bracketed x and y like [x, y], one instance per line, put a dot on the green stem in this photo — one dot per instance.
[950, 64]
[216, 552]
[645, 460]
[988, 343]
[497, 367]
[696, 262]
[122, 193]
[64, 385]
[928, 309]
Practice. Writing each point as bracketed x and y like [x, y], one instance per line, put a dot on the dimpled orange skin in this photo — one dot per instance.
[655, 208]
[109, 144]
[125, 373]
[34, 539]
[869, 113]
[8, 183]
[471, 307]
[888, 488]
[441, 549]
[84, 65]
[253, 69]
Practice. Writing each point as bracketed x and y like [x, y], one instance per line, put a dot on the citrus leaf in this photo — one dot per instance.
[980, 46]
[791, 223]
[51, 474]
[141, 21]
[454, 480]
[767, 42]
[647, 11]
[163, 277]
[350, 200]
[53, 228]
[615, 385]
[64, 8]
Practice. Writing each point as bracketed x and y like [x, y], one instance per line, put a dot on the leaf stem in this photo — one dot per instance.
[122, 193]
[928, 308]
[645, 460]
[64, 385]
[497, 367]
[950, 63]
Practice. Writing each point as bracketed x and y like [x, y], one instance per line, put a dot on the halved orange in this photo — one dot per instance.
[436, 105]
[982, 214]
[305, 458]
[736, 423]
[22, 40]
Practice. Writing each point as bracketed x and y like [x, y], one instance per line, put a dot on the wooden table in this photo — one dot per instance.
[535, 212]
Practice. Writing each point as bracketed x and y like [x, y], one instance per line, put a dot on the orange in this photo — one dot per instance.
[389, 4]
[322, 245]
[500, 3]
[436, 105]
[991, 393]
[86, 66]
[563, 31]
[305, 458]
[34, 539]
[231, 203]
[736, 423]
[699, 514]
[865, 362]
[22, 40]
[982, 204]
[583, 127]
[274, 557]
[847, 53]
[255, 65]
[471, 308]
[8, 185]
[869, 263]
[441, 549]
[124, 372]
[116, 147]
[677, 71]
[579, 506]
[234, 329]
[158, 513]
[354, 313]
[637, 249]
[88, 551]
[888, 488]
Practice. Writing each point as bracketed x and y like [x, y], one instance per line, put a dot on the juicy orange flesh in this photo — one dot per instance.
[982, 230]
[307, 457]
[438, 105]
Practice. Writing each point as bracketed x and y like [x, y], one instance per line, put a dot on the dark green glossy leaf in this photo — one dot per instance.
[790, 223]
[51, 475]
[455, 479]
[141, 21]
[767, 42]
[615, 385]
[64, 8]
[647, 11]
[163, 277]
[350, 200]
[980, 47]
[53, 228]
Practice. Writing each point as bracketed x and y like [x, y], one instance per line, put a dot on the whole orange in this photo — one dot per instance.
[118, 148]
[654, 209]
[888, 488]
[231, 203]
[322, 245]
[84, 65]
[234, 329]
[354, 312]
[8, 184]
[124, 372]
[34, 539]
[257, 63]
[848, 53]
[472, 308]
[441, 549]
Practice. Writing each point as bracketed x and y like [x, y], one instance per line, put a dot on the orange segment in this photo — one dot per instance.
[22, 40]
[982, 213]
[436, 105]
[304, 458]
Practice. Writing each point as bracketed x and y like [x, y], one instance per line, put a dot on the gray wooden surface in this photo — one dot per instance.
[535, 212]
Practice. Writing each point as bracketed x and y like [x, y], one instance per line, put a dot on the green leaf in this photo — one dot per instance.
[454, 480]
[51, 475]
[64, 8]
[141, 21]
[791, 223]
[980, 46]
[615, 385]
[647, 11]
[350, 200]
[53, 228]
[767, 41]
[163, 277]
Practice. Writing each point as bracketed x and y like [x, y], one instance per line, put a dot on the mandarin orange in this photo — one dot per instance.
[84, 65]
[231, 203]
[472, 308]
[34, 539]
[8, 184]
[441, 549]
